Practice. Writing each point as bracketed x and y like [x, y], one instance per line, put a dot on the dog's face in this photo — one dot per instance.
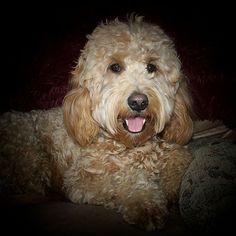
[127, 82]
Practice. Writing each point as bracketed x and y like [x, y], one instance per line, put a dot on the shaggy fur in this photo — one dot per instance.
[118, 139]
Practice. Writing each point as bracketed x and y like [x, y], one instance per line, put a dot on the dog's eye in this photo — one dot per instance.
[116, 68]
[151, 68]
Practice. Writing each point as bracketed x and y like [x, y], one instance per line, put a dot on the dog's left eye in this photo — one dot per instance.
[116, 68]
[151, 68]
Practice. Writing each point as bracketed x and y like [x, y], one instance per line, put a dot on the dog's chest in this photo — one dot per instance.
[110, 157]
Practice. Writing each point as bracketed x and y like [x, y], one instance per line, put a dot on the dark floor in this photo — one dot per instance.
[37, 215]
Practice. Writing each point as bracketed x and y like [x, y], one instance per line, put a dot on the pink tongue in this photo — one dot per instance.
[135, 124]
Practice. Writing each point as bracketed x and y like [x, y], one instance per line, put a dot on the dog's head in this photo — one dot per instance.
[128, 82]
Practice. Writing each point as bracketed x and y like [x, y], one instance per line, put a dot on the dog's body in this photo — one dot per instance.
[117, 140]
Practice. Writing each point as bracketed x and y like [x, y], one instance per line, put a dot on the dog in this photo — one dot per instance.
[119, 138]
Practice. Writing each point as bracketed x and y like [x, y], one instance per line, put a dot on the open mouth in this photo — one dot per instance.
[134, 124]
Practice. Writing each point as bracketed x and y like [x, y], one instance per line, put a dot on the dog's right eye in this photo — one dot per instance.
[116, 68]
[151, 68]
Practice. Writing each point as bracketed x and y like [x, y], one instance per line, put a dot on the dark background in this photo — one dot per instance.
[40, 45]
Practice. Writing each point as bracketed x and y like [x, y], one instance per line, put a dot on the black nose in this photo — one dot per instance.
[138, 101]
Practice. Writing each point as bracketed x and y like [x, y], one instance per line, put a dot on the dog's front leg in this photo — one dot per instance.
[134, 192]
[142, 201]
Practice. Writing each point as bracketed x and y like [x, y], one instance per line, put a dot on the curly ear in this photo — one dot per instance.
[77, 116]
[180, 127]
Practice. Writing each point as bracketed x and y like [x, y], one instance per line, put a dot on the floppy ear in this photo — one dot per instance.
[77, 107]
[77, 116]
[180, 127]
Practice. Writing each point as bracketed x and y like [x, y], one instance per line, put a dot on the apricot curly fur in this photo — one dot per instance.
[98, 148]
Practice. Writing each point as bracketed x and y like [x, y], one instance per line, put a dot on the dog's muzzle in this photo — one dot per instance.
[137, 102]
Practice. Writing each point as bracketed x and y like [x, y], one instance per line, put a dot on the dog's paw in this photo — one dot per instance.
[146, 216]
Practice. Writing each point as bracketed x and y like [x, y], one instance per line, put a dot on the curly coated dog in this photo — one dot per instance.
[118, 139]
